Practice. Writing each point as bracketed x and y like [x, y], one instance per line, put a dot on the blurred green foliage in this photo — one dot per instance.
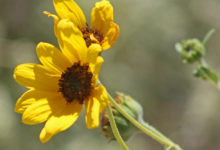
[143, 63]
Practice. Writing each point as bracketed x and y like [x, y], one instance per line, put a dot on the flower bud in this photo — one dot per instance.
[125, 127]
[191, 50]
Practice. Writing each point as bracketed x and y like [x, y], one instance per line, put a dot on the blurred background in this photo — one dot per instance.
[143, 63]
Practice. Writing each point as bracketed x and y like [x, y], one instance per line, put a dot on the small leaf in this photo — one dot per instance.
[178, 47]
[206, 74]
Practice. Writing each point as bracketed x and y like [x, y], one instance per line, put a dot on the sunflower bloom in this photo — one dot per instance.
[62, 84]
[103, 30]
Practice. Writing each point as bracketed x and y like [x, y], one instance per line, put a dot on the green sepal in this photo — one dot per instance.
[206, 74]
[125, 127]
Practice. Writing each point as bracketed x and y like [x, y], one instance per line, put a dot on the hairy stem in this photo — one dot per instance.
[146, 128]
[115, 129]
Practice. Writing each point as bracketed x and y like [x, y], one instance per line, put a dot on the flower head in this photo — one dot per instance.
[64, 81]
[191, 50]
[103, 30]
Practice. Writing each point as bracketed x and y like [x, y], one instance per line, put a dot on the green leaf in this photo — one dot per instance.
[206, 74]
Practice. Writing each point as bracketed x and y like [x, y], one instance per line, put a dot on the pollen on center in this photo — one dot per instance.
[76, 83]
[92, 36]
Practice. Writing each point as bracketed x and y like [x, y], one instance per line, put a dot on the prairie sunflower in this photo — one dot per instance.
[64, 81]
[103, 30]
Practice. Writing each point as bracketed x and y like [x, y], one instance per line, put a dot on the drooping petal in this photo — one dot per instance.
[94, 59]
[60, 121]
[56, 20]
[68, 9]
[101, 15]
[95, 68]
[71, 41]
[102, 21]
[92, 106]
[98, 65]
[43, 107]
[95, 105]
[52, 57]
[93, 52]
[102, 95]
[37, 77]
[110, 35]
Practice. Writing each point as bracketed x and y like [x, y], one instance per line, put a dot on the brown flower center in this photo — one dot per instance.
[92, 36]
[76, 83]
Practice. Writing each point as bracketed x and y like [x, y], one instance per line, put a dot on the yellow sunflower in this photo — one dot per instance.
[103, 30]
[64, 81]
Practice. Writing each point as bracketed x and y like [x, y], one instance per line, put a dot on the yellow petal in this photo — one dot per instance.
[26, 100]
[102, 21]
[95, 68]
[46, 103]
[93, 52]
[37, 113]
[68, 9]
[98, 65]
[94, 59]
[95, 105]
[92, 112]
[101, 15]
[71, 41]
[60, 121]
[52, 57]
[44, 136]
[56, 20]
[36, 76]
[101, 94]
[110, 35]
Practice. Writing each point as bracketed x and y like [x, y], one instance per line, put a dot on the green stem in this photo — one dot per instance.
[208, 36]
[146, 128]
[202, 62]
[151, 128]
[115, 129]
